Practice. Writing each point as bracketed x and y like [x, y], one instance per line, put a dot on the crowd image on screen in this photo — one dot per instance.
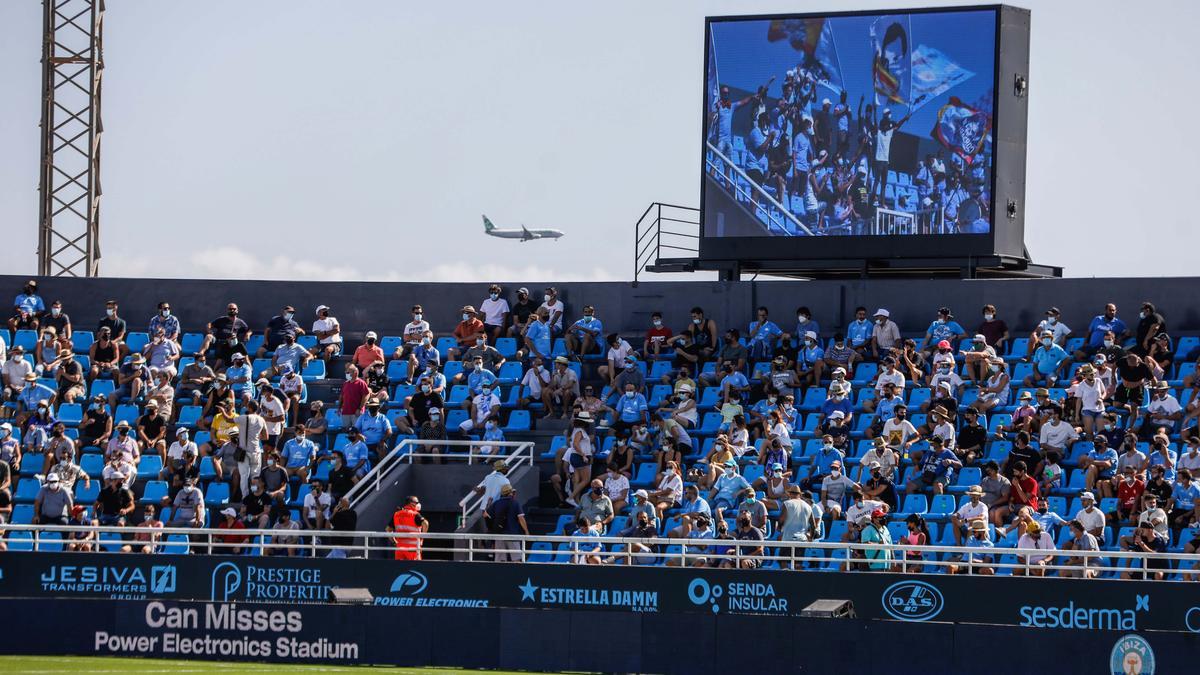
[957, 428]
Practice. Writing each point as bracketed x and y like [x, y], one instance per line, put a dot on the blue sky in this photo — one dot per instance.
[363, 139]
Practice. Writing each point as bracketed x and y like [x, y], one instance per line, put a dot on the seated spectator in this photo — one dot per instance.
[162, 394]
[294, 357]
[975, 510]
[368, 352]
[1162, 411]
[595, 507]
[834, 488]
[657, 338]
[1145, 540]
[279, 328]
[52, 505]
[240, 377]
[162, 354]
[226, 336]
[356, 453]
[416, 332]
[749, 557]
[1185, 496]
[299, 454]
[466, 332]
[728, 488]
[618, 351]
[146, 539]
[115, 503]
[535, 386]
[274, 478]
[188, 506]
[937, 469]
[82, 539]
[1034, 538]
[197, 380]
[152, 432]
[730, 358]
[317, 507]
[669, 490]
[943, 329]
[328, 333]
[1049, 359]
[975, 563]
[536, 337]
[587, 553]
[284, 540]
[583, 336]
[177, 473]
[230, 544]
[28, 308]
[763, 334]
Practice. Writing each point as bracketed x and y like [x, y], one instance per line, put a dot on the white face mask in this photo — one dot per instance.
[466, 316]
[110, 312]
[546, 299]
[696, 321]
[658, 323]
[1047, 341]
[417, 316]
[988, 317]
[1141, 315]
[493, 295]
[287, 316]
[1050, 320]
[835, 474]
[55, 311]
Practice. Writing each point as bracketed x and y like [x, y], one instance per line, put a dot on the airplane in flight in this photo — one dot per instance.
[524, 234]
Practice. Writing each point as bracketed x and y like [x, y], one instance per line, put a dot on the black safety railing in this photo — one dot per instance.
[665, 231]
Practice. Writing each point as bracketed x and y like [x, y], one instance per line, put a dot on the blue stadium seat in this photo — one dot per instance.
[333, 419]
[658, 369]
[917, 503]
[864, 373]
[309, 342]
[315, 370]
[176, 544]
[50, 542]
[510, 372]
[217, 494]
[940, 508]
[916, 399]
[155, 491]
[27, 489]
[518, 420]
[298, 500]
[1017, 348]
[191, 343]
[709, 397]
[455, 417]
[255, 343]
[967, 476]
[189, 416]
[22, 514]
[458, 394]
[207, 469]
[389, 344]
[710, 423]
[814, 398]
[81, 341]
[397, 371]
[149, 467]
[93, 464]
[25, 339]
[260, 365]
[444, 345]
[87, 493]
[644, 476]
[506, 346]
[31, 463]
[70, 414]
[126, 412]
[136, 341]
[451, 369]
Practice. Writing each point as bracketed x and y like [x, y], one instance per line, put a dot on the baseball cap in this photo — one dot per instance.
[1087, 495]
[229, 512]
[879, 513]
[837, 415]
[370, 334]
[944, 344]
[882, 312]
[52, 478]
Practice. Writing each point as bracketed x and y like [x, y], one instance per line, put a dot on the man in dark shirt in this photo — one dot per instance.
[256, 506]
[1134, 374]
[114, 502]
[274, 478]
[972, 438]
[180, 471]
[520, 312]
[341, 477]
[115, 324]
[225, 333]
[505, 516]
[1021, 451]
[747, 532]
[58, 320]
[280, 326]
[1150, 324]
[343, 519]
[422, 402]
[152, 431]
[880, 487]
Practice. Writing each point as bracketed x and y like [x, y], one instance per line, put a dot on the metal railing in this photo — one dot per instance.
[795, 556]
[651, 239]
[775, 224]
[407, 451]
[922, 221]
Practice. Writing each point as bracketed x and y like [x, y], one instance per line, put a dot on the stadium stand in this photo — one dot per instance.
[865, 427]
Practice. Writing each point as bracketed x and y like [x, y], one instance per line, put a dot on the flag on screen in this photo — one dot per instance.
[892, 64]
[813, 37]
[934, 73]
[961, 128]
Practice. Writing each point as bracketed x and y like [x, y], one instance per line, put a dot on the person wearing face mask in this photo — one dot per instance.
[1089, 394]
[618, 350]
[583, 336]
[421, 402]
[1049, 360]
[595, 506]
[556, 389]
[358, 455]
[554, 308]
[657, 337]
[45, 352]
[279, 327]
[809, 361]
[353, 397]
[993, 329]
[763, 334]
[480, 407]
[536, 337]
[495, 312]
[368, 352]
[1059, 332]
[467, 333]
[1129, 489]
[1150, 324]
[977, 355]
[1105, 331]
[256, 506]
[943, 329]
[885, 334]
[57, 319]
[1162, 411]
[177, 472]
[481, 350]
[299, 454]
[728, 487]
[375, 427]
[702, 334]
[731, 357]
[13, 372]
[294, 356]
[477, 377]
[162, 354]
[834, 487]
[821, 464]
[328, 333]
[165, 321]
[226, 336]
[274, 479]
[521, 312]
[773, 484]
[28, 309]
[668, 491]
[52, 506]
[33, 397]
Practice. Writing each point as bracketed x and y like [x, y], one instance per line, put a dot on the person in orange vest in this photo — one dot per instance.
[408, 518]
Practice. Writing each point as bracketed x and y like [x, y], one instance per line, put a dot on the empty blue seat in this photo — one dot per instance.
[191, 343]
[136, 341]
[207, 470]
[397, 371]
[458, 394]
[27, 489]
[70, 414]
[25, 339]
[176, 544]
[510, 372]
[518, 420]
[455, 417]
[300, 494]
[102, 387]
[710, 424]
[917, 503]
[86, 493]
[967, 476]
[31, 463]
[155, 491]
[93, 464]
[149, 467]
[22, 514]
[315, 370]
[645, 475]
[217, 494]
[126, 412]
[864, 373]
[81, 341]
[309, 342]
[444, 345]
[507, 347]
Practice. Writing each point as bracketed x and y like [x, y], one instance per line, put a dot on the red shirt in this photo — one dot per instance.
[354, 392]
[1129, 493]
[1030, 487]
[232, 538]
[466, 331]
[658, 334]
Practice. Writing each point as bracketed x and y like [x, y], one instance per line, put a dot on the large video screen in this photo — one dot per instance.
[850, 125]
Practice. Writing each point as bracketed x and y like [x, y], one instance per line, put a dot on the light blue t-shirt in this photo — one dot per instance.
[735, 379]
[244, 370]
[1105, 455]
[290, 354]
[810, 355]
[939, 331]
[822, 461]
[757, 150]
[1185, 497]
[728, 488]
[697, 506]
[426, 353]
[494, 434]
[357, 452]
[1157, 459]
[801, 152]
[1047, 359]
[764, 332]
[631, 409]
[539, 334]
[859, 332]
[29, 303]
[373, 427]
[589, 322]
[298, 453]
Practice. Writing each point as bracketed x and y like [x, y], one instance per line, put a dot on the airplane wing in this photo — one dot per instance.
[526, 234]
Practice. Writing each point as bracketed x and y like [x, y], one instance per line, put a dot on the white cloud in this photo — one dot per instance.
[228, 262]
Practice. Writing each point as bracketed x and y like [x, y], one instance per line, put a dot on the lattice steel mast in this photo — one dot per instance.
[69, 184]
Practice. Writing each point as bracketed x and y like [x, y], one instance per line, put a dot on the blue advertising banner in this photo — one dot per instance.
[1039, 603]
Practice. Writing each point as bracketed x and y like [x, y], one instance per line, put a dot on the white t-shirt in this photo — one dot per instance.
[274, 407]
[310, 505]
[971, 511]
[951, 377]
[1059, 329]
[327, 325]
[886, 459]
[176, 450]
[415, 330]
[896, 433]
[617, 354]
[534, 380]
[491, 485]
[895, 377]
[1186, 461]
[1091, 395]
[1057, 435]
[1160, 408]
[485, 406]
[673, 483]
[494, 311]
[15, 372]
[616, 488]
[1090, 521]
[551, 309]
[250, 428]
[858, 513]
[945, 431]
